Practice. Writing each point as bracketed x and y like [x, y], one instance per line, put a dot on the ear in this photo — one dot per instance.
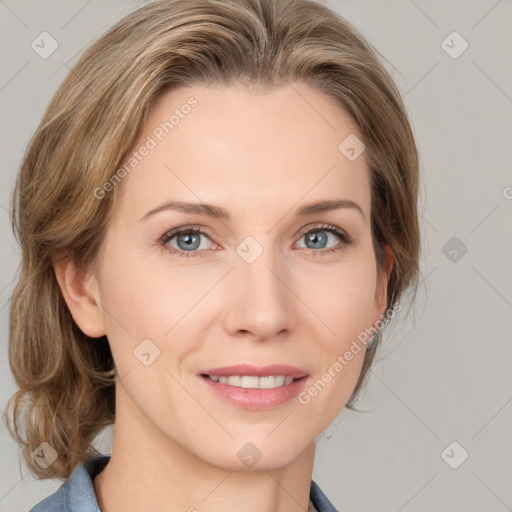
[382, 286]
[80, 292]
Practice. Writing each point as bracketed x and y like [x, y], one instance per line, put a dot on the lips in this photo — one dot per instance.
[250, 397]
[255, 398]
[256, 371]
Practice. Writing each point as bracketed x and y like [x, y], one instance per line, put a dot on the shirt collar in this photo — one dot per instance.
[80, 491]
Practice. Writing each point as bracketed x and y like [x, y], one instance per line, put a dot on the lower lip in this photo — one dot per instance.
[252, 398]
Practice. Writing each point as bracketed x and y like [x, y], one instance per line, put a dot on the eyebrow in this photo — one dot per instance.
[217, 212]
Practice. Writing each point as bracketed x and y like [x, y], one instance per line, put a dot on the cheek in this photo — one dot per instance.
[148, 298]
[139, 287]
[144, 308]
[342, 296]
[345, 306]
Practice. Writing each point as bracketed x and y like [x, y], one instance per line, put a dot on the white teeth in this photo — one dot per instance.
[252, 382]
[244, 381]
[268, 382]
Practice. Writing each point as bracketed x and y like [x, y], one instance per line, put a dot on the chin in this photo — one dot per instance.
[262, 455]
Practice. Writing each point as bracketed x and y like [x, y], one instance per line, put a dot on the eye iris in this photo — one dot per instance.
[315, 237]
[191, 240]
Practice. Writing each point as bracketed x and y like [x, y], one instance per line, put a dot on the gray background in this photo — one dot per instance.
[443, 377]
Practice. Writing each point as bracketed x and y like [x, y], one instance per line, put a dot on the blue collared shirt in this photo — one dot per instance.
[77, 493]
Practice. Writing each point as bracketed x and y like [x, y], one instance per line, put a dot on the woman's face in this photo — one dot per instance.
[256, 286]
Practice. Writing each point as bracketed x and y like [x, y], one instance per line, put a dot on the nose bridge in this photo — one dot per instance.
[263, 303]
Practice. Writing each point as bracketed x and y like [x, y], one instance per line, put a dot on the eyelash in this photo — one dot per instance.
[346, 239]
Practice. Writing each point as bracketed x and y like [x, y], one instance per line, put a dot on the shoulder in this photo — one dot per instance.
[320, 500]
[76, 494]
[53, 503]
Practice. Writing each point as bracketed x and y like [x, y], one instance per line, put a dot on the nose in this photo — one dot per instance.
[261, 296]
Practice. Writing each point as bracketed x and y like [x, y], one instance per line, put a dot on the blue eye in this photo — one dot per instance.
[317, 238]
[188, 240]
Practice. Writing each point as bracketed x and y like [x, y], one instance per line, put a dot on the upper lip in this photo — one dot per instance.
[256, 371]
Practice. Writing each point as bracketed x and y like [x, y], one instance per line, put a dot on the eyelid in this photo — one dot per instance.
[323, 226]
[183, 229]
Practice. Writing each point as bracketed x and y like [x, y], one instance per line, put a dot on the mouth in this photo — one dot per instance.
[253, 387]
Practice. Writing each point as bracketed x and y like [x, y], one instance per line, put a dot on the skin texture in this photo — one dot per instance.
[260, 156]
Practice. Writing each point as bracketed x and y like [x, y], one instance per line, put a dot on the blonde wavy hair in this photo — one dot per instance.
[66, 379]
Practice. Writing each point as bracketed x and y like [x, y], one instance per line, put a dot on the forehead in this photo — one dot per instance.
[243, 150]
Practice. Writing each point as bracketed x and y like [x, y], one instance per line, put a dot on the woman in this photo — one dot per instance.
[217, 215]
